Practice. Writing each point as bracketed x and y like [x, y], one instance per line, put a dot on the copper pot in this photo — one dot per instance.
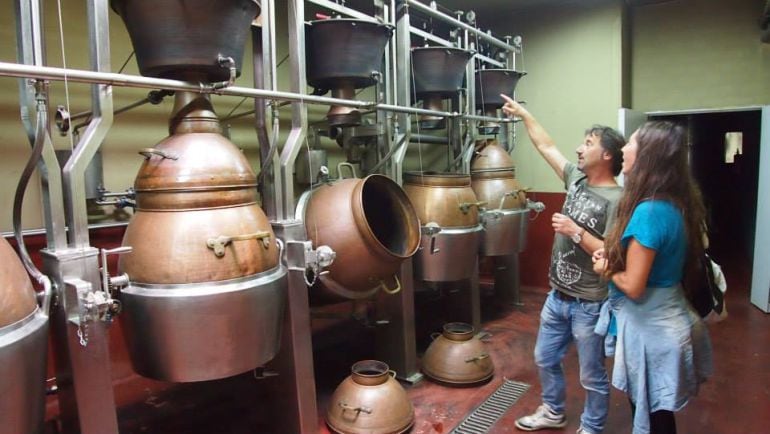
[344, 55]
[446, 199]
[370, 401]
[23, 349]
[489, 155]
[17, 297]
[490, 83]
[499, 189]
[185, 39]
[194, 188]
[449, 212]
[456, 356]
[370, 224]
[207, 291]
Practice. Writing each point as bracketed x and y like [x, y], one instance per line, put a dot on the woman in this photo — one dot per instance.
[663, 350]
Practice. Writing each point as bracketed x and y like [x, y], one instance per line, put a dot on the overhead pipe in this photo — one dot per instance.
[111, 79]
[428, 10]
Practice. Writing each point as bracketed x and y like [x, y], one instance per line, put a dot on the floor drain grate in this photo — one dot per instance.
[492, 409]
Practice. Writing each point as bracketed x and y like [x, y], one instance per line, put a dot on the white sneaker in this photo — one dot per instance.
[542, 418]
[582, 430]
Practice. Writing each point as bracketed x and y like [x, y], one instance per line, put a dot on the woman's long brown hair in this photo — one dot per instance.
[661, 171]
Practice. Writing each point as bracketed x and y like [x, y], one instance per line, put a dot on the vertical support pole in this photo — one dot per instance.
[30, 41]
[263, 43]
[294, 387]
[465, 299]
[397, 343]
[86, 397]
[470, 107]
[101, 120]
[384, 118]
[298, 133]
[507, 281]
[295, 393]
[403, 62]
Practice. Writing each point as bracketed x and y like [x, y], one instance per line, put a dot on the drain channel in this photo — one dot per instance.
[492, 409]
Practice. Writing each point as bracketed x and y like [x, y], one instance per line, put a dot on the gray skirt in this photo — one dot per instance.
[663, 352]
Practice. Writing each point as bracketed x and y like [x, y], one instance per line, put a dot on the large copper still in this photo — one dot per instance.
[370, 401]
[207, 290]
[23, 349]
[449, 213]
[344, 55]
[370, 224]
[505, 213]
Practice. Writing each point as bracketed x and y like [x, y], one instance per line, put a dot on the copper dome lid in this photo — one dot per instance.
[490, 156]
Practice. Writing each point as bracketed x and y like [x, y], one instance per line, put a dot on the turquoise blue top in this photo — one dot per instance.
[659, 225]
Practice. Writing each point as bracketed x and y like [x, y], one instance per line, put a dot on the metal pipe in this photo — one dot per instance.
[106, 78]
[42, 139]
[490, 60]
[342, 10]
[101, 100]
[31, 51]
[298, 132]
[428, 138]
[451, 20]
[431, 37]
[112, 79]
[154, 97]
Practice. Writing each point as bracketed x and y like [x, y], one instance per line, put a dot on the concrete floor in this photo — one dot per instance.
[735, 400]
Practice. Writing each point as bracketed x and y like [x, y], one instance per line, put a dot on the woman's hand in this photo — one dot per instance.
[599, 260]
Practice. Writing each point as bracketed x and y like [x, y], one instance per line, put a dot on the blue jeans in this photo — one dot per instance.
[561, 322]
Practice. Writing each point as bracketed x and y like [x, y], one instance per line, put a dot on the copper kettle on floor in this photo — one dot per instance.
[457, 356]
[370, 401]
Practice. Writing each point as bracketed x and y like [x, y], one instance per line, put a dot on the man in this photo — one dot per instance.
[572, 308]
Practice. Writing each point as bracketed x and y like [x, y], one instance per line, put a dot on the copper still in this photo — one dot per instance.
[207, 289]
[505, 215]
[370, 401]
[438, 74]
[457, 356]
[449, 213]
[490, 83]
[188, 40]
[23, 349]
[370, 224]
[344, 55]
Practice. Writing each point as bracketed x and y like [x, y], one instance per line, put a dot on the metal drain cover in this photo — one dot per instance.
[492, 409]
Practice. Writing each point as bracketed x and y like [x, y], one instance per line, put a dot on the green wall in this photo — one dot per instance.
[693, 54]
[572, 55]
[584, 63]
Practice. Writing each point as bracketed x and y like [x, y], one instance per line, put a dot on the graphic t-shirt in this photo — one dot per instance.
[593, 209]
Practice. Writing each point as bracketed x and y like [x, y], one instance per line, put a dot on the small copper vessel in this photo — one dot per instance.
[370, 401]
[457, 356]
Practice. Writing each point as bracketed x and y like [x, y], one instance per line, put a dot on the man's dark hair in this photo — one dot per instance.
[612, 141]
